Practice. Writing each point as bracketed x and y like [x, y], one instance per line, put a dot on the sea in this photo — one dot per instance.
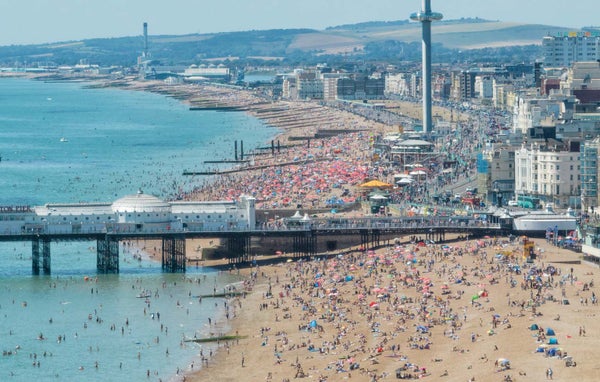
[66, 142]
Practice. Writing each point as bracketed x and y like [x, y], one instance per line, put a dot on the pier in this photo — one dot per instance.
[145, 217]
[320, 236]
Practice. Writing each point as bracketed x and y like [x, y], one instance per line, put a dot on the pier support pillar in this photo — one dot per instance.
[305, 244]
[370, 238]
[46, 256]
[173, 254]
[35, 255]
[107, 258]
[238, 247]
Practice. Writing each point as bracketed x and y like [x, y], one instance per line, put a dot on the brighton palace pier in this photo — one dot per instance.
[145, 217]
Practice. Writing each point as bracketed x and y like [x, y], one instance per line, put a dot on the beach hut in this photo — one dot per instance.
[552, 341]
[534, 327]
[550, 332]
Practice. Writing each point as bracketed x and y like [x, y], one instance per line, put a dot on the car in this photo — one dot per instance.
[513, 203]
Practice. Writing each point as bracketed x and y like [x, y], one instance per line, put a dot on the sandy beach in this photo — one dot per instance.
[442, 312]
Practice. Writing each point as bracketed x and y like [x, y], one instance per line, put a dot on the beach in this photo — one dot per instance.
[450, 312]
[301, 168]
[454, 311]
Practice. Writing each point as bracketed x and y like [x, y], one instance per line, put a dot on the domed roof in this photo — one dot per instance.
[140, 202]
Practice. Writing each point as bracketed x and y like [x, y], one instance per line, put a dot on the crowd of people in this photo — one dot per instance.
[442, 310]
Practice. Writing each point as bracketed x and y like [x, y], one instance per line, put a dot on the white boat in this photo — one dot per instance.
[63, 139]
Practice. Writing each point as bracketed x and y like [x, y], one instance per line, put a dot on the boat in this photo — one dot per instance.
[63, 139]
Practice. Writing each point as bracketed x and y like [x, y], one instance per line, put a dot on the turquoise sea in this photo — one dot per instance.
[63, 142]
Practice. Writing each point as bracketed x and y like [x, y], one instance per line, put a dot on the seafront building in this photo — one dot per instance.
[590, 151]
[496, 173]
[316, 84]
[564, 49]
[550, 172]
[196, 73]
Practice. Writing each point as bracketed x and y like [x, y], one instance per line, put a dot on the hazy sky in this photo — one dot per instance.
[40, 21]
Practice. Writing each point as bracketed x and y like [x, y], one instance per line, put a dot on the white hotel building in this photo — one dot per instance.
[551, 175]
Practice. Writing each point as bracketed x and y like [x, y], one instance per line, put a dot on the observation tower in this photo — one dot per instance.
[425, 16]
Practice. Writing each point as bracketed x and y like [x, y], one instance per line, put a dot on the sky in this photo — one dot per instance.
[44, 21]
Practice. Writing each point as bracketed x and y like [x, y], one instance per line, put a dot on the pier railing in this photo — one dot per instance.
[320, 224]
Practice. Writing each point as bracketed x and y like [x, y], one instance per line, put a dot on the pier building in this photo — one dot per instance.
[133, 216]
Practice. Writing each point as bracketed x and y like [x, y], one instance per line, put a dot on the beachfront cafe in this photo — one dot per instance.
[377, 194]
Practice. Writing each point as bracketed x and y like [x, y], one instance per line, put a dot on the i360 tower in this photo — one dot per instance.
[425, 16]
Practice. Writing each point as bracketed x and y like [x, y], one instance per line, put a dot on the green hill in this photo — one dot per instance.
[367, 41]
